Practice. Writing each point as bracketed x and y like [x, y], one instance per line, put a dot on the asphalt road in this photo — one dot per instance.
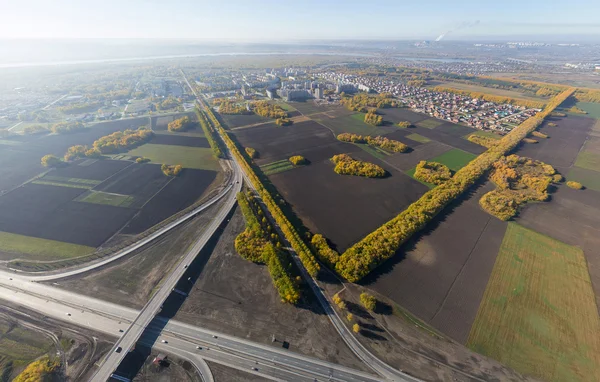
[181, 339]
[154, 305]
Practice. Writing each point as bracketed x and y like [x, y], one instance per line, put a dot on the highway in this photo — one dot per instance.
[181, 339]
[154, 305]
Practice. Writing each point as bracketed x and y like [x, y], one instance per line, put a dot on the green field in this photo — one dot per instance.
[60, 184]
[418, 138]
[277, 167]
[593, 109]
[41, 249]
[62, 179]
[589, 160]
[590, 179]
[116, 200]
[285, 106]
[307, 107]
[431, 123]
[374, 151]
[538, 314]
[189, 157]
[455, 159]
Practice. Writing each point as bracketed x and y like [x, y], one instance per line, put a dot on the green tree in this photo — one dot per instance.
[368, 301]
[51, 161]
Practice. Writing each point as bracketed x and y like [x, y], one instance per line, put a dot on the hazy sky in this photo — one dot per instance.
[298, 19]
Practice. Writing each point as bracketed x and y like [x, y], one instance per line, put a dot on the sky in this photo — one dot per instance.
[270, 20]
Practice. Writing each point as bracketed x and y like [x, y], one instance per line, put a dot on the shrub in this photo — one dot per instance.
[283, 121]
[551, 124]
[404, 124]
[368, 301]
[350, 317]
[557, 178]
[298, 160]
[324, 253]
[356, 328]
[180, 124]
[40, 370]
[432, 172]
[345, 165]
[575, 185]
[530, 140]
[171, 170]
[75, 152]
[252, 153]
[539, 134]
[142, 160]
[51, 161]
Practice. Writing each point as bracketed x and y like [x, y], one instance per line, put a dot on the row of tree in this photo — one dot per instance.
[432, 172]
[253, 245]
[290, 233]
[67, 127]
[209, 133]
[378, 141]
[346, 165]
[180, 124]
[492, 98]
[384, 242]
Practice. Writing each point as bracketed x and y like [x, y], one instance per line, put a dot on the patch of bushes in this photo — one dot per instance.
[298, 160]
[482, 141]
[404, 124]
[577, 110]
[432, 172]
[173, 170]
[539, 134]
[209, 134]
[368, 301]
[575, 185]
[269, 110]
[51, 161]
[180, 124]
[519, 180]
[283, 121]
[529, 141]
[40, 370]
[252, 153]
[252, 244]
[373, 119]
[324, 252]
[346, 165]
[142, 160]
[383, 243]
[122, 140]
[378, 141]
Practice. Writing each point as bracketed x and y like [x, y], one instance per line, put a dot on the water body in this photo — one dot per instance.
[433, 59]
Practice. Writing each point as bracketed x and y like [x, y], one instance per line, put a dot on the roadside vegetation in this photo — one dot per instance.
[209, 134]
[346, 165]
[259, 244]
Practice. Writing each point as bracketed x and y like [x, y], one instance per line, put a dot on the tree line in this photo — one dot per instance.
[253, 245]
[180, 124]
[377, 141]
[290, 233]
[346, 165]
[382, 244]
[209, 133]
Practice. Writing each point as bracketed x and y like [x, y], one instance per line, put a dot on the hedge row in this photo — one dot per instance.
[290, 233]
[383, 243]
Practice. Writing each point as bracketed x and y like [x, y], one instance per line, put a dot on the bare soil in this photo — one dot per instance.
[175, 370]
[237, 297]
[224, 374]
[440, 275]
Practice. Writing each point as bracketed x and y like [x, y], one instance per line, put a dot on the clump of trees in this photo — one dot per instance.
[253, 245]
[539, 134]
[529, 140]
[168, 103]
[368, 301]
[269, 110]
[297, 160]
[432, 172]
[51, 161]
[324, 252]
[346, 165]
[180, 124]
[142, 160]
[290, 233]
[481, 140]
[252, 153]
[404, 124]
[209, 133]
[229, 107]
[518, 180]
[363, 102]
[43, 369]
[77, 151]
[575, 185]
[373, 119]
[552, 124]
[378, 141]
[171, 170]
[283, 121]
[358, 260]
[66, 127]
[122, 140]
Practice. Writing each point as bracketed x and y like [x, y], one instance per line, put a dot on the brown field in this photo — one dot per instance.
[441, 274]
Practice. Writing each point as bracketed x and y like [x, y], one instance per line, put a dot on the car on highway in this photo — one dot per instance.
[120, 330]
[68, 314]
[164, 342]
[254, 368]
[118, 350]
[215, 336]
[199, 347]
